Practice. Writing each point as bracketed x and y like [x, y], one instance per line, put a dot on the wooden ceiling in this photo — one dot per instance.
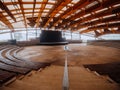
[98, 16]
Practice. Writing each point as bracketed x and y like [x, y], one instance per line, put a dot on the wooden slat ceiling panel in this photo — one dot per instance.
[75, 15]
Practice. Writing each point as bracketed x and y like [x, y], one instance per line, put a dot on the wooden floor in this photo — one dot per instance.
[78, 54]
[80, 78]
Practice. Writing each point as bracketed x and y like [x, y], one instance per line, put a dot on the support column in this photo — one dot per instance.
[11, 35]
[63, 33]
[36, 32]
[26, 34]
[14, 35]
[79, 36]
[71, 35]
[12, 40]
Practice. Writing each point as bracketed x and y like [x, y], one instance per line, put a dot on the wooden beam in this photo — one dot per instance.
[99, 21]
[108, 32]
[40, 12]
[13, 10]
[96, 33]
[33, 8]
[93, 16]
[61, 4]
[4, 7]
[91, 11]
[101, 27]
[71, 10]
[23, 13]
[6, 21]
[37, 2]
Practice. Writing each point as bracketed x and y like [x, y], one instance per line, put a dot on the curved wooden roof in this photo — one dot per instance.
[98, 16]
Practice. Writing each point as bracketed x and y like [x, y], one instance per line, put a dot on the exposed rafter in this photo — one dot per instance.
[106, 31]
[6, 22]
[33, 8]
[96, 21]
[90, 11]
[71, 10]
[5, 8]
[76, 15]
[102, 26]
[22, 9]
[57, 9]
[29, 2]
[40, 12]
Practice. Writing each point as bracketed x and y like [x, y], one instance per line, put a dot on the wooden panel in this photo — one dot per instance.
[5, 76]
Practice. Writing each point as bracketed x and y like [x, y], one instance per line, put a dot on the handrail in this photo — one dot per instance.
[65, 77]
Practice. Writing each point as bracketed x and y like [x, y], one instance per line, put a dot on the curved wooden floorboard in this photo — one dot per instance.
[6, 76]
[11, 66]
[8, 65]
[37, 64]
[15, 69]
[26, 64]
[9, 56]
[29, 65]
[13, 55]
[9, 61]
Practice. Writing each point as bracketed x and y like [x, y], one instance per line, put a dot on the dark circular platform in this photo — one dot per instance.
[52, 38]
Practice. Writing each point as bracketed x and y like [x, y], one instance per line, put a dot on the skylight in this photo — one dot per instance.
[92, 4]
[109, 16]
[28, 5]
[75, 1]
[101, 10]
[49, 6]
